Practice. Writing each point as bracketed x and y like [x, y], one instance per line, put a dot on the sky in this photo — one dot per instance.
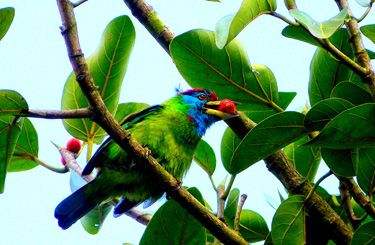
[34, 63]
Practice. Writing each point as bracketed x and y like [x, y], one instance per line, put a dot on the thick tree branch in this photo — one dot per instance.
[289, 177]
[63, 114]
[103, 117]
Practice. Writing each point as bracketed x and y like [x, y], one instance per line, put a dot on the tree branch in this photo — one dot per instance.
[103, 117]
[63, 114]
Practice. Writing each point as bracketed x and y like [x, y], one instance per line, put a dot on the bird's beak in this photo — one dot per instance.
[221, 109]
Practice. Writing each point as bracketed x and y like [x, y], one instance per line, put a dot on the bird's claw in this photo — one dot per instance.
[148, 152]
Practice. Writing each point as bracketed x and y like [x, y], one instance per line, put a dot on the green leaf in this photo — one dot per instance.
[272, 202]
[321, 30]
[342, 162]
[230, 26]
[352, 128]
[324, 111]
[26, 149]
[6, 19]
[107, 66]
[299, 33]
[204, 155]
[253, 227]
[226, 71]
[326, 72]
[369, 31]
[92, 222]
[9, 133]
[285, 98]
[288, 224]
[364, 3]
[232, 203]
[269, 136]
[172, 224]
[305, 159]
[366, 169]
[125, 109]
[229, 143]
[352, 93]
[364, 234]
[12, 103]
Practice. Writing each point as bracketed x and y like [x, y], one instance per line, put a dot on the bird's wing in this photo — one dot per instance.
[128, 123]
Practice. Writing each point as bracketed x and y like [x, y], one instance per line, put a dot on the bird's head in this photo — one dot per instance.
[204, 108]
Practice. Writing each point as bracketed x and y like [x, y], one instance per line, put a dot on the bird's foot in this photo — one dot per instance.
[148, 152]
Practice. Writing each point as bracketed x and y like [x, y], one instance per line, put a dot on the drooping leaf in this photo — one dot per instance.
[352, 93]
[172, 224]
[26, 149]
[269, 136]
[204, 155]
[232, 203]
[352, 128]
[326, 72]
[324, 29]
[92, 222]
[288, 224]
[364, 234]
[12, 103]
[305, 159]
[6, 18]
[125, 109]
[9, 133]
[229, 143]
[299, 33]
[230, 26]
[364, 3]
[366, 169]
[107, 66]
[343, 162]
[226, 71]
[324, 111]
[369, 31]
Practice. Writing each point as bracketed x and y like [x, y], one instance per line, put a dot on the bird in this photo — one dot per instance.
[170, 131]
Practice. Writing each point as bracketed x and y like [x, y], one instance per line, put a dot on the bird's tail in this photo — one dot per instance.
[74, 207]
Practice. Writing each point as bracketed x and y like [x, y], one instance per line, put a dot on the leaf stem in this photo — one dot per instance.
[229, 187]
[238, 212]
[90, 143]
[79, 3]
[318, 183]
[283, 18]
[212, 182]
[47, 166]
[365, 14]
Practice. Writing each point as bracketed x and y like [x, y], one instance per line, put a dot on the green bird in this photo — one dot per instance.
[171, 131]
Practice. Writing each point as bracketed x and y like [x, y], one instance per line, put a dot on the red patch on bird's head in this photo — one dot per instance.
[227, 106]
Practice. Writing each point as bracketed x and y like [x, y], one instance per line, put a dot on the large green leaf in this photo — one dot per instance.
[305, 159]
[229, 143]
[269, 136]
[26, 149]
[230, 26]
[324, 111]
[324, 29]
[352, 93]
[326, 72]
[343, 162]
[9, 133]
[6, 18]
[366, 169]
[172, 224]
[226, 71]
[288, 224]
[204, 155]
[92, 222]
[253, 227]
[107, 66]
[364, 235]
[125, 109]
[12, 103]
[352, 128]
[232, 203]
[299, 33]
[369, 31]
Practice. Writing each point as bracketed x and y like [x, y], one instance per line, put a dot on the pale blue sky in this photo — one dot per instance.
[34, 63]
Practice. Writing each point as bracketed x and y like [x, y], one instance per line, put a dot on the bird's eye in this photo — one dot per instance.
[202, 97]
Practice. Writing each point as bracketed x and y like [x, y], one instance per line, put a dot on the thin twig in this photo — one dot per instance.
[318, 183]
[79, 3]
[53, 114]
[347, 206]
[238, 212]
[365, 14]
[283, 18]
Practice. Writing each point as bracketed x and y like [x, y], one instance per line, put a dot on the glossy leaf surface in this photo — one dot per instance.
[232, 203]
[324, 29]
[305, 159]
[364, 235]
[230, 26]
[11, 103]
[366, 169]
[26, 149]
[226, 71]
[6, 19]
[369, 31]
[324, 111]
[205, 157]
[107, 66]
[352, 93]
[229, 143]
[9, 133]
[352, 128]
[288, 224]
[172, 224]
[269, 136]
[343, 162]
[299, 33]
[92, 222]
